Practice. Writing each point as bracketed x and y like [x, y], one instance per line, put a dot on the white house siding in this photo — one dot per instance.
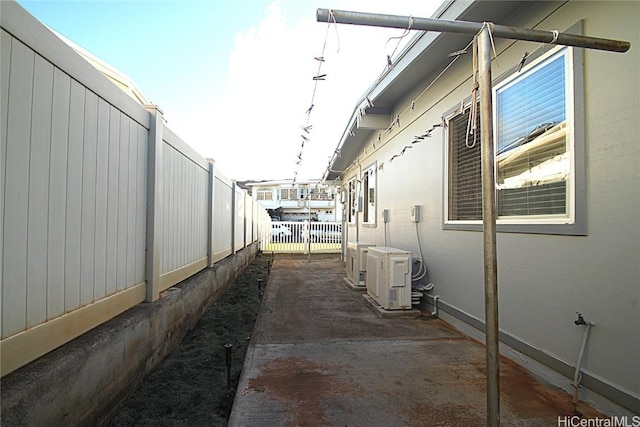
[543, 279]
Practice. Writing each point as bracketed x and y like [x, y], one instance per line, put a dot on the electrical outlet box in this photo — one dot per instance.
[414, 213]
[385, 215]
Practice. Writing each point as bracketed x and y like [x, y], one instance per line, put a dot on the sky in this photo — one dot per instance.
[234, 78]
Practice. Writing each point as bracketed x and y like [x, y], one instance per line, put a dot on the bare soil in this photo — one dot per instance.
[190, 386]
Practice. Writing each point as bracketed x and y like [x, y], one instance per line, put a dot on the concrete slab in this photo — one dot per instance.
[319, 356]
[379, 311]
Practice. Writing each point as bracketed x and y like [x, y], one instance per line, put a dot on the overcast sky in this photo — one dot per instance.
[235, 77]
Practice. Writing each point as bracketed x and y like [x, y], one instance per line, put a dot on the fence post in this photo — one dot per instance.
[154, 203]
[212, 187]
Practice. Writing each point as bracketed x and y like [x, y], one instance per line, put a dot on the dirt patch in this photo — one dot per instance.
[190, 386]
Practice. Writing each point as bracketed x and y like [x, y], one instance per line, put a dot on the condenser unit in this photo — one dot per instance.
[388, 277]
[357, 261]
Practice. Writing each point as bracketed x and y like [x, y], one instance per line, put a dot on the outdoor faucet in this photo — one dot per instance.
[580, 320]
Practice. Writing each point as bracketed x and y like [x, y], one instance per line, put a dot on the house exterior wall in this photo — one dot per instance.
[295, 207]
[543, 279]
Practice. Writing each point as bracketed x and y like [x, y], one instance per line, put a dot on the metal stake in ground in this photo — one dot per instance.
[227, 357]
[260, 287]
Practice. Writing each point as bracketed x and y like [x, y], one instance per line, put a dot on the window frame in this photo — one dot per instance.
[263, 192]
[574, 223]
[352, 200]
[369, 209]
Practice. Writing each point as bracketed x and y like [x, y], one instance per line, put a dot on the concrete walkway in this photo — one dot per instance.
[320, 357]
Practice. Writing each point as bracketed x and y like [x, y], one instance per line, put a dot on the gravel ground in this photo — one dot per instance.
[190, 387]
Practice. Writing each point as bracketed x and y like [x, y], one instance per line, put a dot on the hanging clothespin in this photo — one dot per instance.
[522, 61]
[413, 106]
[320, 77]
[369, 102]
[393, 157]
[352, 133]
[306, 128]
[457, 53]
[319, 58]
[381, 166]
[389, 62]
[304, 137]
[309, 109]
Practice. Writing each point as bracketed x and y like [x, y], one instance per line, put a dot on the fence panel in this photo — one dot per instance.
[222, 217]
[185, 211]
[73, 193]
[239, 218]
[248, 220]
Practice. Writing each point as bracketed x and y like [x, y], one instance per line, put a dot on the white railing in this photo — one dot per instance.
[304, 237]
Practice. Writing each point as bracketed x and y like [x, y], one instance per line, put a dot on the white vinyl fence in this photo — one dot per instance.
[103, 207]
[304, 237]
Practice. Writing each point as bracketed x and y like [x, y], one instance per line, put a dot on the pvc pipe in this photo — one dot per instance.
[435, 305]
[577, 376]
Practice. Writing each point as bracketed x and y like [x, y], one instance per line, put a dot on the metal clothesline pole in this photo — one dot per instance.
[484, 32]
[492, 338]
[466, 27]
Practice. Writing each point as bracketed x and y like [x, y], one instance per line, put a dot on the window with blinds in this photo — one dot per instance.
[533, 153]
[465, 175]
[264, 194]
[532, 158]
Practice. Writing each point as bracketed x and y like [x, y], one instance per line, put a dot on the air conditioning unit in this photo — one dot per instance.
[388, 277]
[357, 261]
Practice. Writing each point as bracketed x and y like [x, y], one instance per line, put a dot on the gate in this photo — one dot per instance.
[304, 237]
